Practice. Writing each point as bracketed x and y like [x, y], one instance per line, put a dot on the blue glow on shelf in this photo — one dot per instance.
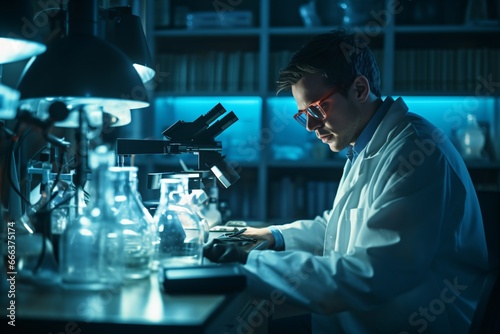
[286, 129]
[245, 140]
[450, 113]
[446, 112]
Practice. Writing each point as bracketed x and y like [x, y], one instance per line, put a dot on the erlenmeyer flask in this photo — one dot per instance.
[180, 235]
[91, 251]
[136, 224]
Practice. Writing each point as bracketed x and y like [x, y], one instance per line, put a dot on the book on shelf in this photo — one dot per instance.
[431, 69]
[249, 67]
[219, 71]
[212, 71]
[444, 70]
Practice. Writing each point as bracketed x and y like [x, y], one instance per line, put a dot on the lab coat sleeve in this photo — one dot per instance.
[393, 251]
[306, 235]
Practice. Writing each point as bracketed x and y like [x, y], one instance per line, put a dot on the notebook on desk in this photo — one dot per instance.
[207, 279]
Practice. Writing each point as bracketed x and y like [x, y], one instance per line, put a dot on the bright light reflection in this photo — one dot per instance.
[86, 232]
[146, 73]
[18, 49]
[120, 198]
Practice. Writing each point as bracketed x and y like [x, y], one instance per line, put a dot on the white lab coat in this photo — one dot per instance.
[403, 249]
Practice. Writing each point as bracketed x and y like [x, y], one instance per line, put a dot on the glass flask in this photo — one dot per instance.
[63, 210]
[28, 220]
[471, 139]
[149, 218]
[198, 200]
[30, 240]
[179, 232]
[193, 201]
[136, 223]
[211, 211]
[91, 249]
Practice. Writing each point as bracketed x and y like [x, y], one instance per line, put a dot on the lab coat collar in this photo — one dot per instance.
[367, 133]
[382, 135]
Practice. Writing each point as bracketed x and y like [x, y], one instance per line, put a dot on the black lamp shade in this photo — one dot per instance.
[83, 69]
[124, 30]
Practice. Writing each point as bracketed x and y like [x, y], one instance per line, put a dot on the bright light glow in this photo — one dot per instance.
[146, 73]
[96, 212]
[86, 232]
[120, 198]
[18, 49]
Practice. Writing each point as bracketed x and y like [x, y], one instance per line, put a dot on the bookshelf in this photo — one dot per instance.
[444, 61]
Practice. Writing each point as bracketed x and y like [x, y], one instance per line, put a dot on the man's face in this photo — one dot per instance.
[342, 124]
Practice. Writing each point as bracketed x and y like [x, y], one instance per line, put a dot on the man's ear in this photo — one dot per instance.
[362, 88]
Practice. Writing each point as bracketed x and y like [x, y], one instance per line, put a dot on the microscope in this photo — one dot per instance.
[196, 137]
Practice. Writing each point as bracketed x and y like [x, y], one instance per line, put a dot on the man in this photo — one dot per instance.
[403, 248]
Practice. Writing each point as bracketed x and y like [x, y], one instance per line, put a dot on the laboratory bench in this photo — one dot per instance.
[138, 306]
[135, 307]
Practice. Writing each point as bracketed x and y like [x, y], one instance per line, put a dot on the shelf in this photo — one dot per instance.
[435, 93]
[453, 29]
[207, 32]
[312, 31]
[323, 164]
[202, 94]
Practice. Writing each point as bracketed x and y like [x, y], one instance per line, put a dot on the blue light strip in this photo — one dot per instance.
[446, 112]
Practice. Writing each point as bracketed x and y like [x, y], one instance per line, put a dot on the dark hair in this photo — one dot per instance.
[339, 55]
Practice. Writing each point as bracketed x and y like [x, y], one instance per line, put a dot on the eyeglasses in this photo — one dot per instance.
[315, 110]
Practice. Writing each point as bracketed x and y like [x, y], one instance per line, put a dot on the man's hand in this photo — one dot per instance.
[220, 251]
[260, 234]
